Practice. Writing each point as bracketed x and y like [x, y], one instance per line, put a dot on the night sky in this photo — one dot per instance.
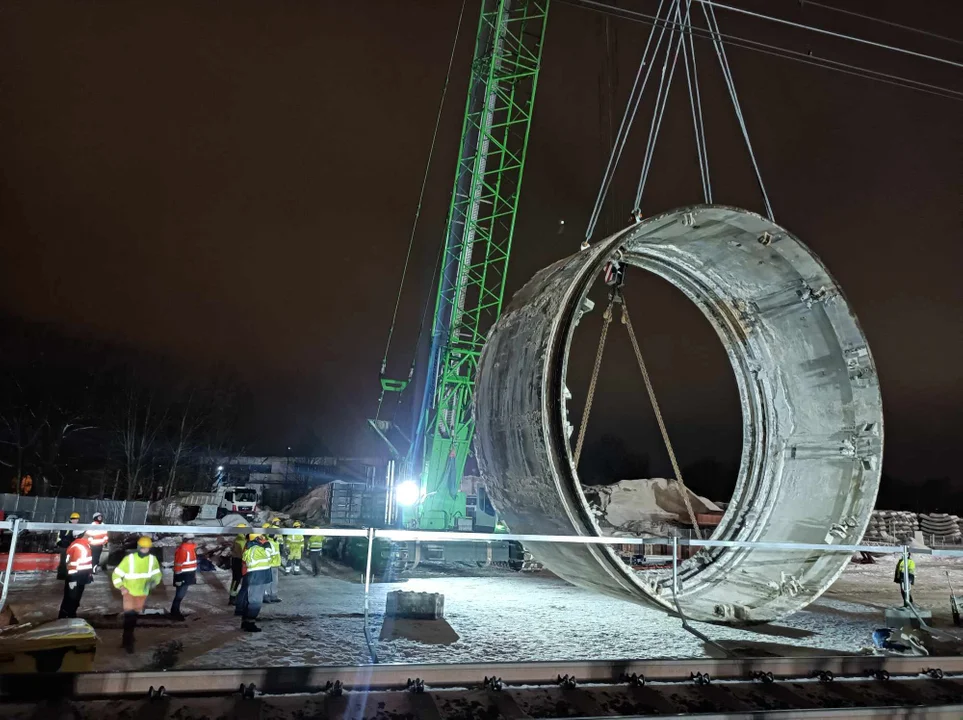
[235, 183]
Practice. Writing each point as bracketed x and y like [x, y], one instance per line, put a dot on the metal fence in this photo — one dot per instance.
[51, 509]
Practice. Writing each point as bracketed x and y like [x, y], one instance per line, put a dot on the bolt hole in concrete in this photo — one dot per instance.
[810, 405]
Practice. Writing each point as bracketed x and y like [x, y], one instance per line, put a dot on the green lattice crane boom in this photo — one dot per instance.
[478, 242]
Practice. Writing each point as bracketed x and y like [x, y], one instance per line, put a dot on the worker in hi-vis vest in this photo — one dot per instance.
[910, 570]
[257, 580]
[136, 575]
[185, 573]
[79, 571]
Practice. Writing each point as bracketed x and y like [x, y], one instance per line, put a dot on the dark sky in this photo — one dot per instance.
[235, 183]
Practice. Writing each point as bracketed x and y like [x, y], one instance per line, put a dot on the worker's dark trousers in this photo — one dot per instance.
[907, 597]
[130, 622]
[236, 576]
[179, 594]
[95, 553]
[249, 600]
[71, 601]
[315, 561]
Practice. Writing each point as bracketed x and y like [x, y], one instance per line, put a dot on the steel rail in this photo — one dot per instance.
[295, 679]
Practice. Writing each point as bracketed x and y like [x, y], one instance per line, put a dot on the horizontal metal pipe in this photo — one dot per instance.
[444, 537]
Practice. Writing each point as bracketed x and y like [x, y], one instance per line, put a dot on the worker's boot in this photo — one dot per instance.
[249, 626]
[176, 610]
[130, 622]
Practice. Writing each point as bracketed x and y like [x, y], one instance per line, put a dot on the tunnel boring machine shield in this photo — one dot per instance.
[811, 413]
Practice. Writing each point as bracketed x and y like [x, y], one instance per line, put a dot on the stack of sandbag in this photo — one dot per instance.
[944, 528]
[890, 527]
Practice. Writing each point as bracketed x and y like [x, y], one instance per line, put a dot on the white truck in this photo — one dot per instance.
[237, 501]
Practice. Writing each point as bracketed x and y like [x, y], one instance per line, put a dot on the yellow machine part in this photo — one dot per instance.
[66, 645]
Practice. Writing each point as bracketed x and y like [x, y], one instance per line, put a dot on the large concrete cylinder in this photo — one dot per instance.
[811, 412]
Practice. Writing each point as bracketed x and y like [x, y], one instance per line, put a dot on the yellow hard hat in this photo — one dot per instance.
[276, 521]
[297, 524]
[144, 542]
[266, 525]
[75, 516]
[241, 525]
[253, 536]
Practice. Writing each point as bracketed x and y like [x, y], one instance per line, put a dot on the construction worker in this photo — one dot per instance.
[256, 573]
[185, 573]
[98, 539]
[274, 542]
[237, 565]
[295, 549]
[79, 574]
[906, 590]
[64, 538]
[315, 546]
[135, 576]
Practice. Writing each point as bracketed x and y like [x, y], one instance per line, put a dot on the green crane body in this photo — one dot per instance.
[481, 223]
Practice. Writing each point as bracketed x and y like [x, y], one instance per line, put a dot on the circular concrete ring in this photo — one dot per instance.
[811, 410]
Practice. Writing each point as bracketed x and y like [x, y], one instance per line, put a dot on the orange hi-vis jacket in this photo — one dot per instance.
[80, 562]
[97, 538]
[185, 559]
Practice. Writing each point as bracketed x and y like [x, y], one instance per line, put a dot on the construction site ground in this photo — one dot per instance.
[497, 615]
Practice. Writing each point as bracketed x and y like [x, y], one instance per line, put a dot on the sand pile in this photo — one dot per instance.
[315, 507]
[647, 506]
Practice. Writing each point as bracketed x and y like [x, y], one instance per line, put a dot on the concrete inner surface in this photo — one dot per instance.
[811, 412]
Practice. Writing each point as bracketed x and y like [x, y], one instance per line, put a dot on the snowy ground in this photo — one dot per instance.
[500, 616]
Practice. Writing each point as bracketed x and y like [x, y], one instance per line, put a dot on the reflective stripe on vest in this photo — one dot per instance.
[187, 565]
[129, 575]
[79, 558]
[97, 537]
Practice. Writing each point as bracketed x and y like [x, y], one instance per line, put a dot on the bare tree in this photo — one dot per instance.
[184, 439]
[138, 425]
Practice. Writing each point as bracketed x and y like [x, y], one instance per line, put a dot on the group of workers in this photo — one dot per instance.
[257, 560]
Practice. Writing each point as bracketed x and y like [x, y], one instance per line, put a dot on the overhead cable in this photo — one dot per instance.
[695, 101]
[870, 18]
[823, 31]
[628, 118]
[661, 100]
[713, 25]
[775, 51]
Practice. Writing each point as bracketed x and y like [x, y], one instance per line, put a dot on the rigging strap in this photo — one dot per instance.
[627, 321]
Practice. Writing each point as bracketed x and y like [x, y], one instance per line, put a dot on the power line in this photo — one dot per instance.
[870, 18]
[775, 51]
[830, 33]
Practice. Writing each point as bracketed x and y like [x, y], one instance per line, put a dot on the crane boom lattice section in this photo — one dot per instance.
[481, 222]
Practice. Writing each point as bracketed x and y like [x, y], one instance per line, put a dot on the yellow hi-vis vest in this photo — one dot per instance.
[257, 557]
[912, 566]
[295, 546]
[240, 542]
[138, 573]
[275, 551]
[315, 542]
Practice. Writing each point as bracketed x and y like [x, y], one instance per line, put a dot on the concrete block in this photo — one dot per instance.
[415, 605]
[897, 617]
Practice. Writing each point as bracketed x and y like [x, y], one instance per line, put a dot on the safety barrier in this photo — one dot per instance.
[17, 527]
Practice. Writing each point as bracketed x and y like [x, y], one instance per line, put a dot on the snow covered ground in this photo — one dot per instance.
[499, 616]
